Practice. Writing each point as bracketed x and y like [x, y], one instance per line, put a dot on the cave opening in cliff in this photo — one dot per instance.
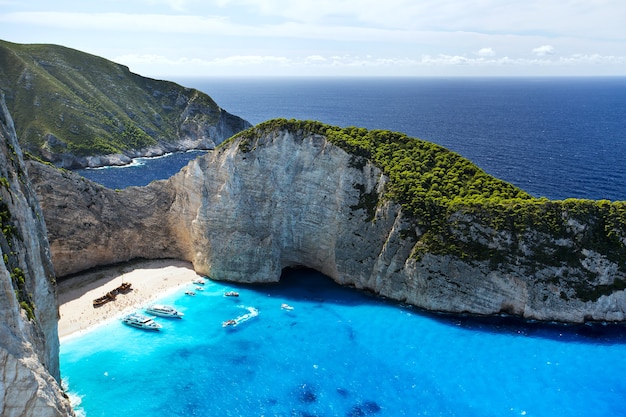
[303, 283]
[304, 278]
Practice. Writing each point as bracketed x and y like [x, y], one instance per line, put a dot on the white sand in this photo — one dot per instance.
[149, 279]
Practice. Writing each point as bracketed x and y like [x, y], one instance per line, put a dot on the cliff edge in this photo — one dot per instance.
[29, 343]
[403, 218]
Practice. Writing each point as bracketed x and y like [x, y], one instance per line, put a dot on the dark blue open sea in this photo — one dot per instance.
[340, 352]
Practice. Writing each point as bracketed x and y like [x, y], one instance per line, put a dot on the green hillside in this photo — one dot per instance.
[67, 101]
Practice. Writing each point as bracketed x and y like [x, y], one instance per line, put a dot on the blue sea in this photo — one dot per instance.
[341, 352]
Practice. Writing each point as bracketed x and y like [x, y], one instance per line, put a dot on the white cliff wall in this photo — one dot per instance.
[294, 199]
[282, 198]
[29, 343]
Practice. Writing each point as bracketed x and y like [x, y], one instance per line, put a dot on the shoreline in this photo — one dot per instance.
[150, 279]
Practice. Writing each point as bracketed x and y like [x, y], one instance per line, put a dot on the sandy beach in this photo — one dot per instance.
[149, 279]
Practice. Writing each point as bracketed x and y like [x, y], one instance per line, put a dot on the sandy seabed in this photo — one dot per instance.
[150, 279]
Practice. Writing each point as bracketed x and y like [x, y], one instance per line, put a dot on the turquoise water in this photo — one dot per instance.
[341, 352]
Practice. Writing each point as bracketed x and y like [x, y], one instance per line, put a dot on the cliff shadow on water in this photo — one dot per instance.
[596, 333]
[305, 284]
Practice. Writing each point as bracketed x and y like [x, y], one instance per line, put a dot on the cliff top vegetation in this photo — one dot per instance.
[66, 101]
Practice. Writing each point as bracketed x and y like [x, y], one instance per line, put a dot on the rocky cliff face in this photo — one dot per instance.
[29, 343]
[76, 110]
[287, 197]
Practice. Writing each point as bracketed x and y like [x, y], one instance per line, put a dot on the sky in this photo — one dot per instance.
[250, 38]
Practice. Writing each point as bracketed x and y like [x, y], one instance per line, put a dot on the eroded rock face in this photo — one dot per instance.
[92, 225]
[29, 343]
[290, 198]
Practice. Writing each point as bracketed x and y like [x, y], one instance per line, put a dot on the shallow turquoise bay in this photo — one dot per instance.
[340, 352]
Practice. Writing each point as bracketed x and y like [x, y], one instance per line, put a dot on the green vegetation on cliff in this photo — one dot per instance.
[423, 176]
[457, 208]
[9, 232]
[66, 101]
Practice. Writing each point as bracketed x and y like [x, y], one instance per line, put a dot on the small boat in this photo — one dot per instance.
[252, 312]
[141, 322]
[162, 310]
[190, 293]
[198, 288]
[285, 306]
[199, 281]
[231, 294]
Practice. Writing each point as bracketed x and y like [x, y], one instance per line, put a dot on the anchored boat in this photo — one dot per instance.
[163, 310]
[141, 322]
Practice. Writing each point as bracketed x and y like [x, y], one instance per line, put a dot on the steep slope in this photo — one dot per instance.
[76, 109]
[398, 216]
[29, 343]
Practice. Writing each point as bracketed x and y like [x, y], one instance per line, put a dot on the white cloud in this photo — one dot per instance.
[203, 25]
[235, 60]
[121, 22]
[544, 50]
[395, 36]
[343, 63]
[177, 5]
[574, 18]
[315, 59]
[486, 52]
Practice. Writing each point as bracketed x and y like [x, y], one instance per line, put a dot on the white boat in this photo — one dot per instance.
[252, 312]
[141, 322]
[199, 281]
[162, 310]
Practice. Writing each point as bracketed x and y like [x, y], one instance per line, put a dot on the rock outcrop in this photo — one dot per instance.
[286, 197]
[29, 343]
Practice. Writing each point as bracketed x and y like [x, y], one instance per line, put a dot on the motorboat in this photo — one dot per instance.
[231, 294]
[199, 281]
[190, 293]
[252, 312]
[141, 322]
[163, 310]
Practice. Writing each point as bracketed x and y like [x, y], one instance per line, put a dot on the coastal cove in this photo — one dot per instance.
[340, 351]
[335, 351]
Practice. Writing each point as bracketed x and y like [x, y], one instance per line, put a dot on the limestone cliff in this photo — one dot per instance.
[288, 194]
[29, 343]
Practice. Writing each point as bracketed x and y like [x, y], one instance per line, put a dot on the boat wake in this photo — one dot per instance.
[252, 312]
